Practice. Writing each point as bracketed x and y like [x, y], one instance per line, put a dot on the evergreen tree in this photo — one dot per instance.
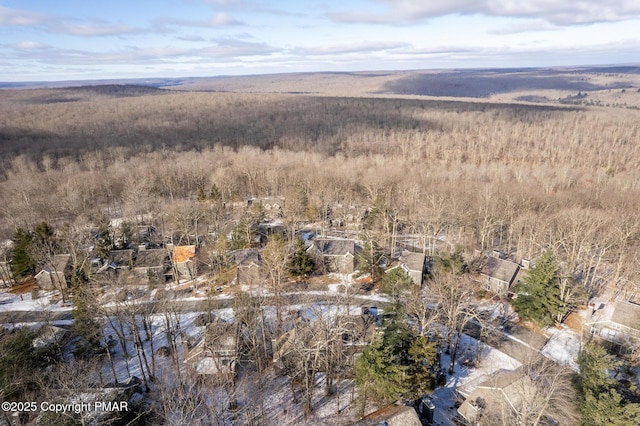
[394, 283]
[450, 263]
[301, 263]
[22, 262]
[215, 194]
[104, 239]
[538, 294]
[84, 323]
[601, 404]
[127, 233]
[378, 375]
[423, 356]
[396, 365]
[368, 259]
[594, 362]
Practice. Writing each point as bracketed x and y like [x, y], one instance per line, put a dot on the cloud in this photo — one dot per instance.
[402, 12]
[222, 19]
[20, 18]
[221, 49]
[193, 38]
[523, 27]
[29, 45]
[95, 30]
[233, 48]
[52, 24]
[225, 2]
[341, 49]
[167, 24]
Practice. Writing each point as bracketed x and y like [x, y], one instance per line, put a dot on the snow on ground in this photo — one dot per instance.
[563, 346]
[467, 373]
[23, 302]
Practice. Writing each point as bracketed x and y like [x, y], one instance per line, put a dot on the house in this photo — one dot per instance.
[217, 352]
[152, 264]
[341, 216]
[272, 205]
[248, 266]
[503, 391]
[338, 255]
[617, 323]
[415, 265]
[183, 261]
[500, 275]
[357, 333]
[120, 259]
[391, 415]
[350, 336]
[56, 274]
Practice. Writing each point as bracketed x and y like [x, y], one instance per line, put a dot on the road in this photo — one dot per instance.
[188, 305]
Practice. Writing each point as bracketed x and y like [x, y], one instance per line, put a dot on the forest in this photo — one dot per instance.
[557, 183]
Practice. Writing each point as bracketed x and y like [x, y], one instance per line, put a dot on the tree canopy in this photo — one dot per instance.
[538, 294]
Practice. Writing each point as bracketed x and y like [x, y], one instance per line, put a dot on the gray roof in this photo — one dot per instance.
[413, 261]
[335, 247]
[392, 415]
[500, 269]
[247, 257]
[121, 257]
[151, 258]
[627, 314]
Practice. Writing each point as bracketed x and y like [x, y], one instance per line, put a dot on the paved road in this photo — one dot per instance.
[188, 306]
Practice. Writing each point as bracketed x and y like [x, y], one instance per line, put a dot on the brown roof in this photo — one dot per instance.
[61, 261]
[121, 257]
[151, 258]
[183, 253]
[500, 269]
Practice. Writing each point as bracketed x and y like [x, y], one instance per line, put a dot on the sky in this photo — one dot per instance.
[43, 40]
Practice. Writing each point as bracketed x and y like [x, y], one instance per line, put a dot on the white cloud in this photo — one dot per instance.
[29, 45]
[552, 11]
[356, 47]
[52, 24]
[222, 19]
[15, 17]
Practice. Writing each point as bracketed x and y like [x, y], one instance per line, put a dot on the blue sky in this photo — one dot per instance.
[81, 39]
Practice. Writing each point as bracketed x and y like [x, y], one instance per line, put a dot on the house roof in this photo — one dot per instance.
[247, 257]
[500, 269]
[221, 336]
[623, 313]
[329, 247]
[183, 253]
[121, 257]
[58, 264]
[627, 314]
[413, 261]
[504, 386]
[392, 415]
[151, 258]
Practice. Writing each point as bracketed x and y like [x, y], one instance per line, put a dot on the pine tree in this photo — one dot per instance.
[301, 263]
[539, 294]
[394, 283]
[601, 404]
[423, 356]
[22, 263]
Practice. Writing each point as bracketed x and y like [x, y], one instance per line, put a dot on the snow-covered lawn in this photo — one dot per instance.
[467, 373]
[563, 346]
[10, 302]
